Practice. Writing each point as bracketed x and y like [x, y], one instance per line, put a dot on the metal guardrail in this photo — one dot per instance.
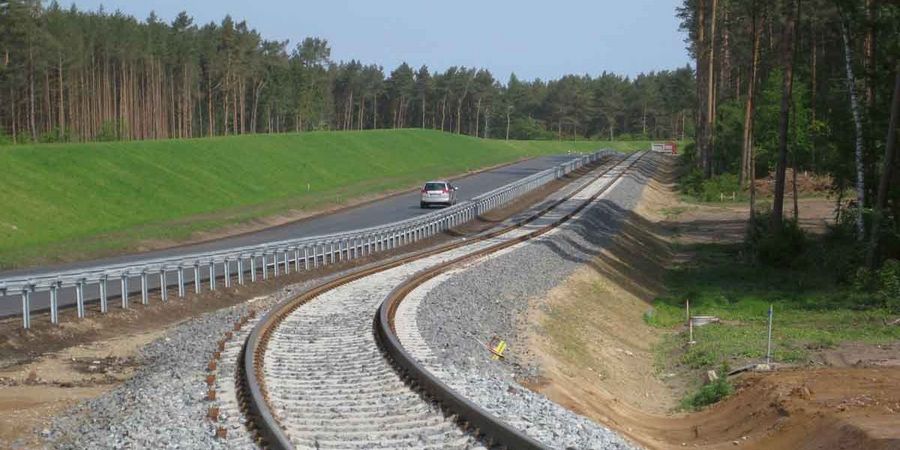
[273, 257]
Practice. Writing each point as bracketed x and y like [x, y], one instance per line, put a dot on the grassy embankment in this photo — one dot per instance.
[75, 201]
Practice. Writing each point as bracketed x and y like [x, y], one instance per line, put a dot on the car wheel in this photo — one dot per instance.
[423, 205]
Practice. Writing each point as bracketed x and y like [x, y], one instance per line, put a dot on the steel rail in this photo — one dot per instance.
[256, 402]
[301, 253]
[477, 417]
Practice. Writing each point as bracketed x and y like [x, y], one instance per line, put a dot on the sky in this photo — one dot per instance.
[533, 39]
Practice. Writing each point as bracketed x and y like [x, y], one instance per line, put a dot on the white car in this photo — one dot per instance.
[438, 193]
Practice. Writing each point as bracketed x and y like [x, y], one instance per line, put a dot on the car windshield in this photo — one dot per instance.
[435, 186]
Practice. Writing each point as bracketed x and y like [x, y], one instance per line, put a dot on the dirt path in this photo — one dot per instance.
[597, 354]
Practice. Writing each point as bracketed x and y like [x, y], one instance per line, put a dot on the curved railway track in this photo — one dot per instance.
[317, 376]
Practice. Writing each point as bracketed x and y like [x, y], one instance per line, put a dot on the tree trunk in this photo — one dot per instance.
[886, 175]
[443, 111]
[210, 117]
[869, 49]
[256, 95]
[62, 112]
[507, 124]
[701, 52]
[12, 107]
[31, 113]
[746, 177]
[813, 97]
[459, 116]
[477, 116]
[644, 119]
[711, 95]
[857, 121]
[787, 89]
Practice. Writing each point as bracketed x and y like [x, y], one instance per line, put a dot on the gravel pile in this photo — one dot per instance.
[473, 305]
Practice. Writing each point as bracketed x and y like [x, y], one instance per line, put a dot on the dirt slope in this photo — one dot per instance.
[596, 352]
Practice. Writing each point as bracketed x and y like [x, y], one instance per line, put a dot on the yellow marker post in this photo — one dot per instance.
[498, 350]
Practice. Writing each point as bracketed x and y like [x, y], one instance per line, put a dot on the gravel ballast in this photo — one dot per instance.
[164, 404]
[470, 306]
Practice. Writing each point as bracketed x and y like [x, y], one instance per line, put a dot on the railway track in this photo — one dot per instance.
[313, 374]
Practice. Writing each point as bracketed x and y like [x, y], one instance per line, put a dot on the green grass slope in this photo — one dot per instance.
[76, 201]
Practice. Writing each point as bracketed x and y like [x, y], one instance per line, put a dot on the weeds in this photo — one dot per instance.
[708, 394]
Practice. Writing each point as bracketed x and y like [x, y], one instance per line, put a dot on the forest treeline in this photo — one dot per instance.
[71, 75]
[807, 84]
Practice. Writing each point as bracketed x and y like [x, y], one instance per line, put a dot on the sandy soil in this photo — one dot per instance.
[596, 352]
[32, 393]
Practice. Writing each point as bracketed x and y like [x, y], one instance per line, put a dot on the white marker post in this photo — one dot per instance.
[690, 323]
[769, 344]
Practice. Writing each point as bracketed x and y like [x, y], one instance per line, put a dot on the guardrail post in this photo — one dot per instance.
[253, 268]
[240, 270]
[145, 300]
[79, 298]
[227, 269]
[332, 252]
[124, 291]
[297, 259]
[163, 285]
[265, 266]
[196, 277]
[180, 282]
[26, 307]
[54, 303]
[104, 305]
[306, 258]
[275, 263]
[212, 275]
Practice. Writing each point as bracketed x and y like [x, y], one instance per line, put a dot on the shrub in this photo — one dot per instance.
[112, 130]
[56, 135]
[889, 285]
[698, 359]
[694, 184]
[709, 394]
[884, 283]
[782, 246]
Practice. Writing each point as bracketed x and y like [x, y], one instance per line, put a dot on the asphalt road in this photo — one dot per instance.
[379, 212]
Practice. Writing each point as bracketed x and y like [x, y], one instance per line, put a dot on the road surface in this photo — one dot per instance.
[390, 209]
